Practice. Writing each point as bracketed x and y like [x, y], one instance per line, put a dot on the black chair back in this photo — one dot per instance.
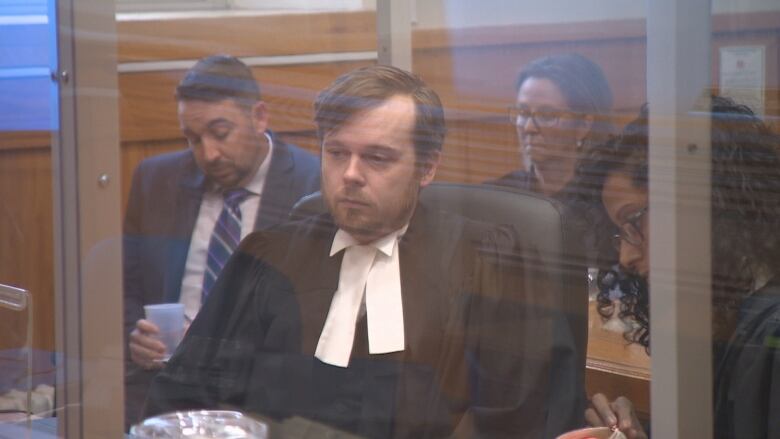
[541, 224]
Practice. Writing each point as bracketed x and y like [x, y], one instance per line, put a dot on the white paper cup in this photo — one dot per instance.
[169, 318]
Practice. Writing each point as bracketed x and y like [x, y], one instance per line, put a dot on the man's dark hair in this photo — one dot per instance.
[219, 77]
[368, 88]
[745, 209]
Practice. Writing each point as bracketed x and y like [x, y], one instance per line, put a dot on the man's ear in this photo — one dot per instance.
[428, 168]
[260, 117]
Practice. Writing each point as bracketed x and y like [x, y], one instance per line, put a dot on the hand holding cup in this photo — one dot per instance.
[155, 338]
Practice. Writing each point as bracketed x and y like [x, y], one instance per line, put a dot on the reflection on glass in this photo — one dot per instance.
[188, 209]
[745, 215]
[561, 113]
[568, 71]
[381, 315]
[28, 115]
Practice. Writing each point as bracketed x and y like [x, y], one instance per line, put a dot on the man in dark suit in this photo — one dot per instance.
[188, 209]
[382, 317]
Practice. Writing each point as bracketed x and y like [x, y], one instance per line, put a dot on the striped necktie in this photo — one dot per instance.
[224, 238]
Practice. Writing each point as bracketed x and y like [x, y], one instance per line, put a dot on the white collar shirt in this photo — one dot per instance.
[370, 276]
[208, 214]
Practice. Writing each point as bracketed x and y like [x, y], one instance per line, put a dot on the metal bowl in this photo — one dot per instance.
[200, 424]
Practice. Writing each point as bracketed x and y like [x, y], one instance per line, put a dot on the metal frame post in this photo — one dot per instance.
[678, 88]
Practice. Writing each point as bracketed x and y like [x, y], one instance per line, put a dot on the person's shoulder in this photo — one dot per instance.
[167, 165]
[176, 158]
[283, 237]
[762, 308]
[516, 179]
[758, 324]
[300, 156]
[302, 165]
[159, 172]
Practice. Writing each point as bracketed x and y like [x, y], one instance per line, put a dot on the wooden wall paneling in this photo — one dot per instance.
[462, 84]
[259, 34]
[26, 249]
[148, 106]
[479, 150]
[542, 33]
[614, 367]
[483, 78]
[306, 139]
[481, 143]
[290, 91]
[11, 140]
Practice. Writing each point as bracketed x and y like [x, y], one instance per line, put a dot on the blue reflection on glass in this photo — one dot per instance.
[28, 55]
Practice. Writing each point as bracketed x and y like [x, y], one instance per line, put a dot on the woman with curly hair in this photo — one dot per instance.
[745, 267]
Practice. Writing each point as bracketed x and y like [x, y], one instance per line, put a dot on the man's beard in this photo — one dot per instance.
[371, 224]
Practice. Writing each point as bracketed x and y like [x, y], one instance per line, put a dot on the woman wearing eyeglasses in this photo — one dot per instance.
[745, 263]
[561, 111]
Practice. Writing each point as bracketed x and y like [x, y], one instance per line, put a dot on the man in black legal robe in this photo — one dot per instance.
[464, 344]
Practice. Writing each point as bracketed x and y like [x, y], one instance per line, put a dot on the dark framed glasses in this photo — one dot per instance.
[519, 115]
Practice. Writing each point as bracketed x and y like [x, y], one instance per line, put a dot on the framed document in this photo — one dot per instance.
[742, 75]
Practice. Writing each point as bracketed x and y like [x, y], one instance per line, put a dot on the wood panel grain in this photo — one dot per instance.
[11, 140]
[482, 79]
[26, 247]
[541, 33]
[261, 34]
[148, 107]
[615, 367]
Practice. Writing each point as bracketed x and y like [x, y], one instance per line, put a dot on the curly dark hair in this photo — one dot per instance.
[745, 212]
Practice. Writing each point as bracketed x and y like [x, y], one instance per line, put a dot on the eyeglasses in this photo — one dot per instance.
[631, 230]
[519, 115]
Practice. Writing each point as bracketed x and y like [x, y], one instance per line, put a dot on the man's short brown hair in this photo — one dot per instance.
[219, 77]
[368, 87]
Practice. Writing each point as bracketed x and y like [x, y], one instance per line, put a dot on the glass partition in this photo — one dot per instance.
[568, 208]
[28, 119]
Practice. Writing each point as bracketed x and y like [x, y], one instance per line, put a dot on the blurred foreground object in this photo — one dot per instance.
[216, 424]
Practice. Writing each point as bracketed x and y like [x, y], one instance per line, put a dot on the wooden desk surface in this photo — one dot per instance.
[615, 367]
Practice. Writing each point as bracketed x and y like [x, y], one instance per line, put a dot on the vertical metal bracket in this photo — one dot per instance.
[394, 33]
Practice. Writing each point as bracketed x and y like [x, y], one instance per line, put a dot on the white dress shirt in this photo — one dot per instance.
[370, 276]
[208, 214]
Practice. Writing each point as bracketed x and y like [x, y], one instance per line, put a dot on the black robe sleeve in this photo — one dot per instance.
[526, 371]
[747, 381]
[249, 310]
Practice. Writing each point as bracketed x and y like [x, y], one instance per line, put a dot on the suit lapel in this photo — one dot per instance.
[189, 193]
[275, 203]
